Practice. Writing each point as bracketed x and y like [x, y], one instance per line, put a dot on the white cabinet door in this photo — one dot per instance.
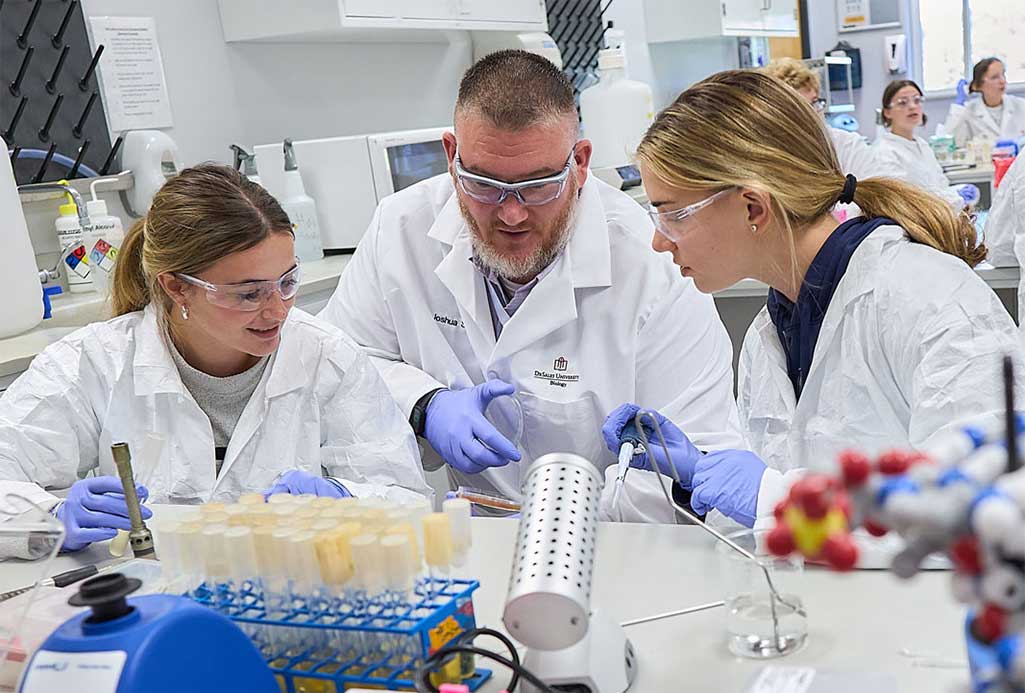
[372, 8]
[743, 16]
[781, 17]
[502, 10]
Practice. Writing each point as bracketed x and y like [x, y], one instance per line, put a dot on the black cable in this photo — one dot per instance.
[469, 636]
[480, 652]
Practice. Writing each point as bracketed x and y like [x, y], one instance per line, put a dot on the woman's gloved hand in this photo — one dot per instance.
[962, 92]
[682, 452]
[297, 483]
[458, 431]
[728, 480]
[94, 510]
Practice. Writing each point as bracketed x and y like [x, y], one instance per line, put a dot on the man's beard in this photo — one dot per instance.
[528, 266]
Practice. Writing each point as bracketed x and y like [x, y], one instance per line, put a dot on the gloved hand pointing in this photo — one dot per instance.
[962, 92]
[95, 509]
[682, 452]
[457, 430]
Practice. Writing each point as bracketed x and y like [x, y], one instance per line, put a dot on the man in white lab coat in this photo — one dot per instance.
[512, 303]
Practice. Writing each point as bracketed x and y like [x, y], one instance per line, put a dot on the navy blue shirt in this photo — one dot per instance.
[798, 324]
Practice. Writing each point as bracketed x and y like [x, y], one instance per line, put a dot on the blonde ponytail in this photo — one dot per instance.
[129, 290]
[744, 128]
[926, 218]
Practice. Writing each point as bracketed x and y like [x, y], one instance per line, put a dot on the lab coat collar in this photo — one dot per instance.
[153, 368]
[291, 368]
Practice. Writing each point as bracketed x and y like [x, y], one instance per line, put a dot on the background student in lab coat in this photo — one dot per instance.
[877, 332]
[995, 115]
[207, 356]
[1005, 226]
[855, 155]
[903, 111]
[512, 302]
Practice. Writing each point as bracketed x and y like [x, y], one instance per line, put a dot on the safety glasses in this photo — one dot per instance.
[532, 193]
[249, 296]
[819, 104]
[671, 224]
[904, 102]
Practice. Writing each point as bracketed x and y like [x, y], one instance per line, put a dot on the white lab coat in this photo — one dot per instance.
[1005, 227]
[612, 322]
[320, 404]
[858, 158]
[910, 345]
[919, 166]
[973, 120]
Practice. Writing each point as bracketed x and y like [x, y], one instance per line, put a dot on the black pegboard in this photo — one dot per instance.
[46, 53]
[577, 27]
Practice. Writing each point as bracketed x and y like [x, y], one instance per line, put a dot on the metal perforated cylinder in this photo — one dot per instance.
[548, 603]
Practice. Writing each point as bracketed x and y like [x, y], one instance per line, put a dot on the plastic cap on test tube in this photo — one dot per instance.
[215, 560]
[303, 566]
[398, 571]
[366, 560]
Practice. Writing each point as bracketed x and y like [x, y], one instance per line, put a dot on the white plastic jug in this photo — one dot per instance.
[616, 112]
[22, 307]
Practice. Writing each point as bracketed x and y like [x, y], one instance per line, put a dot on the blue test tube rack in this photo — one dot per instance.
[328, 644]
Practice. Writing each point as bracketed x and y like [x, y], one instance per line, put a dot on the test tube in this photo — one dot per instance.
[190, 552]
[438, 550]
[240, 553]
[415, 559]
[210, 508]
[303, 499]
[366, 561]
[237, 515]
[458, 511]
[165, 541]
[215, 561]
[398, 568]
[281, 499]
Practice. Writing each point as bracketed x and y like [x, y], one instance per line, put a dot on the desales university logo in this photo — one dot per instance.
[558, 376]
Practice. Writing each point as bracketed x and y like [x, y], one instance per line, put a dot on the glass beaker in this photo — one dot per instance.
[761, 622]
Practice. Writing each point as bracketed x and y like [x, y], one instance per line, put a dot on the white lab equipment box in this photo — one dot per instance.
[374, 20]
[672, 20]
[348, 176]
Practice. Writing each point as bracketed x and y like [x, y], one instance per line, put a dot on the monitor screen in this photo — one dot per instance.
[412, 163]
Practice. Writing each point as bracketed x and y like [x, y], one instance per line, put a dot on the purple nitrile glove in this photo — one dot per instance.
[962, 92]
[458, 431]
[969, 193]
[728, 480]
[682, 452]
[297, 482]
[94, 510]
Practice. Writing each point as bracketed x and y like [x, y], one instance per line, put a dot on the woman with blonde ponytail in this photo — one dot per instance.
[877, 333]
[206, 351]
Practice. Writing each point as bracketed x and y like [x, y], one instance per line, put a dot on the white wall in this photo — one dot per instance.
[257, 93]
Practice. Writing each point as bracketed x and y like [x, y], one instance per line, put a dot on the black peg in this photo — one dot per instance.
[15, 86]
[51, 86]
[38, 178]
[9, 132]
[77, 130]
[110, 157]
[44, 133]
[15, 153]
[23, 37]
[58, 39]
[73, 173]
[83, 83]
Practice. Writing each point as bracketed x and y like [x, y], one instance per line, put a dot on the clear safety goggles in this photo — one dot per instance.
[672, 224]
[818, 104]
[904, 102]
[532, 193]
[249, 296]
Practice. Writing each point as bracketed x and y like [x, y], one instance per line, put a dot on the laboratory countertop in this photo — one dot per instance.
[865, 621]
[975, 174]
[71, 311]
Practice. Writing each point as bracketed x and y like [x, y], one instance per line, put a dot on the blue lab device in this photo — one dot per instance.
[152, 643]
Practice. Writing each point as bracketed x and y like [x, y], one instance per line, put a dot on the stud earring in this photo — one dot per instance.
[185, 312]
[754, 228]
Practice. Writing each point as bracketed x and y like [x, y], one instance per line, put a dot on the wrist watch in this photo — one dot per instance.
[418, 417]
